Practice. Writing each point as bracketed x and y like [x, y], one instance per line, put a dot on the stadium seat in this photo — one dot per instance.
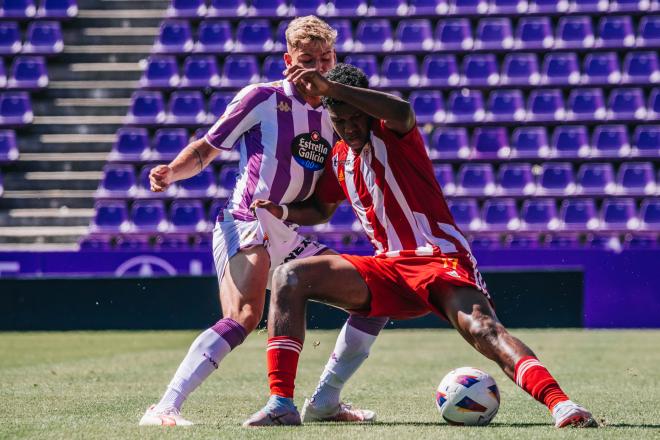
[186, 107]
[630, 5]
[586, 105]
[254, 36]
[162, 71]
[342, 220]
[280, 36]
[428, 106]
[28, 73]
[227, 8]
[506, 105]
[561, 68]
[546, 105]
[168, 142]
[186, 8]
[214, 36]
[476, 179]
[131, 144]
[465, 213]
[654, 105]
[240, 70]
[601, 68]
[548, 6]
[647, 140]
[508, 6]
[500, 215]
[399, 71]
[466, 105]
[540, 214]
[174, 36]
[227, 180]
[610, 141]
[453, 34]
[427, 7]
[596, 179]
[641, 67]
[445, 176]
[414, 34]
[627, 103]
[439, 70]
[649, 31]
[515, 179]
[200, 71]
[490, 142]
[202, 184]
[649, 213]
[43, 37]
[530, 142]
[146, 108]
[579, 214]
[480, 69]
[636, 178]
[468, 7]
[268, 8]
[373, 34]
[345, 41]
[148, 216]
[58, 9]
[3, 74]
[349, 8]
[534, 33]
[18, 9]
[15, 108]
[118, 181]
[272, 68]
[218, 104]
[494, 33]
[570, 141]
[450, 143]
[520, 69]
[302, 8]
[574, 32]
[616, 31]
[590, 5]
[384, 8]
[8, 146]
[556, 179]
[10, 38]
[216, 210]
[619, 213]
[368, 64]
[143, 190]
[110, 216]
[187, 216]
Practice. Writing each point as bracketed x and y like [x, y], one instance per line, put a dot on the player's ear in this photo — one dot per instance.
[288, 59]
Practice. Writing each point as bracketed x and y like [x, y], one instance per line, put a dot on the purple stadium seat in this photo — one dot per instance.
[439, 70]
[561, 68]
[384, 8]
[610, 141]
[146, 108]
[627, 103]
[174, 36]
[466, 105]
[654, 105]
[516, 179]
[469, 7]
[428, 106]
[641, 241]
[494, 33]
[647, 140]
[540, 214]
[201, 185]
[200, 71]
[616, 31]
[579, 214]
[349, 8]
[28, 73]
[414, 34]
[508, 6]
[216, 209]
[620, 213]
[143, 190]
[302, 8]
[630, 5]
[240, 70]
[563, 241]
[214, 36]
[548, 6]
[368, 64]
[596, 179]
[476, 179]
[186, 8]
[58, 9]
[506, 105]
[480, 69]
[268, 8]
[641, 67]
[500, 215]
[428, 7]
[3, 74]
[590, 5]
[8, 148]
[374, 34]
[272, 68]
[649, 213]
[227, 180]
[44, 37]
[342, 220]
[18, 9]
[534, 33]
[571, 141]
[450, 143]
[601, 67]
[227, 8]
[490, 142]
[168, 142]
[254, 36]
[636, 178]
[345, 40]
[574, 32]
[280, 36]
[546, 105]
[445, 176]
[10, 38]
[118, 181]
[649, 31]
[110, 216]
[15, 108]
[586, 104]
[556, 179]
[162, 71]
[520, 68]
[465, 213]
[453, 34]
[218, 104]
[530, 142]
[399, 71]
[131, 144]
[186, 108]
[187, 216]
[522, 241]
[149, 216]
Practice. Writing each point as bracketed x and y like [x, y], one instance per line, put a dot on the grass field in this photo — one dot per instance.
[97, 384]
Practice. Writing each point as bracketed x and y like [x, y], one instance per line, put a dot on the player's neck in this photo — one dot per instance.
[314, 101]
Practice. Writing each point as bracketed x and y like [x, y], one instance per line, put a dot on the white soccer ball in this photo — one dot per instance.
[467, 396]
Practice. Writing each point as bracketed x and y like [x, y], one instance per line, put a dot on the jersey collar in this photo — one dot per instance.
[291, 91]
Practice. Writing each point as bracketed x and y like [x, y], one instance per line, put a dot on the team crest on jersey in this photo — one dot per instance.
[310, 150]
[283, 107]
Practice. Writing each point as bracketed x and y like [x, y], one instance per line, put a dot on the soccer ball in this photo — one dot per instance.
[467, 396]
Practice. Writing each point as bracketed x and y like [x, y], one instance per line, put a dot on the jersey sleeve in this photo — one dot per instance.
[328, 189]
[241, 114]
[411, 139]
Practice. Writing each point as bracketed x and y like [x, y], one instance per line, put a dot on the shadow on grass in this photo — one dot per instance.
[513, 425]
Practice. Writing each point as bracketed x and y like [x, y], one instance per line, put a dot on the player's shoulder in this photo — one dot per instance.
[258, 91]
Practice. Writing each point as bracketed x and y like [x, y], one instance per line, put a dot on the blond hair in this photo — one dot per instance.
[303, 30]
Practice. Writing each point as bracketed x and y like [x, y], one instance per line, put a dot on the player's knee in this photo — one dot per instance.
[247, 315]
[286, 278]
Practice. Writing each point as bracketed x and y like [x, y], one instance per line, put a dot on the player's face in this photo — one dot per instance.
[312, 55]
[351, 124]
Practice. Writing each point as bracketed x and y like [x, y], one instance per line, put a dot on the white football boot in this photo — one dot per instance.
[568, 413]
[169, 417]
[341, 413]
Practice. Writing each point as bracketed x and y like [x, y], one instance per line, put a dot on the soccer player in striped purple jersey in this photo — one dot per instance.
[284, 136]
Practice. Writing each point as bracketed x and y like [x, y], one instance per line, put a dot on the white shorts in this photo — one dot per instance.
[282, 241]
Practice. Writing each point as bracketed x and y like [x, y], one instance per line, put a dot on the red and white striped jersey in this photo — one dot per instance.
[394, 194]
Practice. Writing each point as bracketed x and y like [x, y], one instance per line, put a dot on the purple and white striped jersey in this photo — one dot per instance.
[283, 141]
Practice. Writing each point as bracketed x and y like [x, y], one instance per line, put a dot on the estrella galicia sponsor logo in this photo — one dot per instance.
[310, 150]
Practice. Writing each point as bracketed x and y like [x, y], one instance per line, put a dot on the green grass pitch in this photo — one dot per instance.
[96, 385]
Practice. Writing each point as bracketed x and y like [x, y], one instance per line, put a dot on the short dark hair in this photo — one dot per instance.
[346, 74]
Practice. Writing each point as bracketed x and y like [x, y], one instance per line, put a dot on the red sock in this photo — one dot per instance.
[533, 377]
[283, 353]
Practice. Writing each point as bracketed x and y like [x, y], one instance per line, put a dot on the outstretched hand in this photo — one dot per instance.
[160, 178]
[310, 81]
[269, 206]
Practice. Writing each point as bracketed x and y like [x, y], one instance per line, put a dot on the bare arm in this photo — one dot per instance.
[308, 212]
[196, 156]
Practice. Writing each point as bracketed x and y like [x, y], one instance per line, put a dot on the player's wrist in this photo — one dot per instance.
[285, 212]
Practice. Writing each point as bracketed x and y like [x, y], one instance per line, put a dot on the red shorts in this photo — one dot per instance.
[400, 286]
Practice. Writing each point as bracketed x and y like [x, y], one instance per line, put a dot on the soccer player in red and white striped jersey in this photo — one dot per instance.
[423, 263]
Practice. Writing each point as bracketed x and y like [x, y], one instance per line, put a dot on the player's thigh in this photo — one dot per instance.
[463, 306]
[243, 285]
[326, 278]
